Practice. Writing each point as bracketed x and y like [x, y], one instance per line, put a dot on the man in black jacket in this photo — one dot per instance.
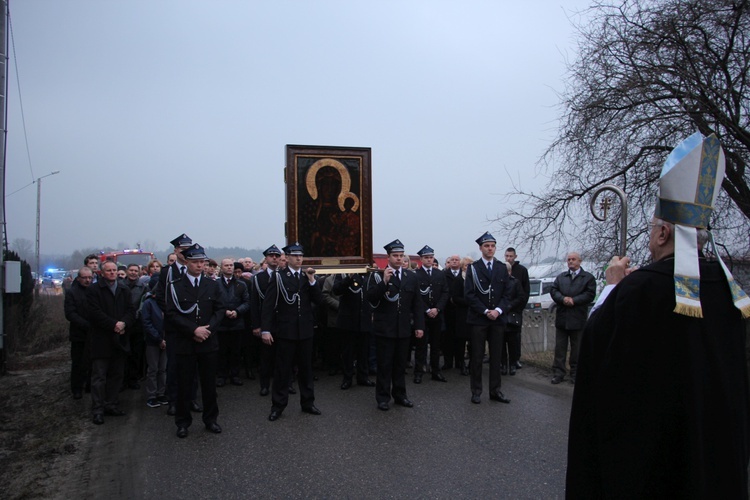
[110, 313]
[396, 301]
[195, 309]
[487, 290]
[355, 321]
[573, 291]
[287, 310]
[232, 328]
[258, 288]
[520, 297]
[433, 288]
[75, 312]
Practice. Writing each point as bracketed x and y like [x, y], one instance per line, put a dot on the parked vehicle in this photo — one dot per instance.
[539, 297]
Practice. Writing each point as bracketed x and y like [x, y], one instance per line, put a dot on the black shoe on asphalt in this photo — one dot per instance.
[172, 410]
[366, 383]
[500, 397]
[312, 410]
[182, 432]
[439, 377]
[346, 384]
[556, 379]
[114, 412]
[77, 395]
[220, 382]
[213, 427]
[275, 414]
[383, 407]
[405, 402]
[194, 406]
[98, 419]
[236, 381]
[417, 378]
[476, 399]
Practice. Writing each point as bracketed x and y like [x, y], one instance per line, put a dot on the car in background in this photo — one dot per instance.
[52, 279]
[539, 296]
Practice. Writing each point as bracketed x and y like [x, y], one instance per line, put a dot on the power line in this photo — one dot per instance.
[20, 98]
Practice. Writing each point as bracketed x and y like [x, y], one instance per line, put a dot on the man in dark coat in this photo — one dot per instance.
[396, 302]
[195, 309]
[232, 328]
[355, 321]
[518, 301]
[287, 321]
[110, 313]
[433, 288]
[75, 312]
[258, 288]
[573, 291]
[168, 275]
[450, 348]
[487, 291]
[661, 406]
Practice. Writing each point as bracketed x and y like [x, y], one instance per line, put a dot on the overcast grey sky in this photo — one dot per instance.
[173, 116]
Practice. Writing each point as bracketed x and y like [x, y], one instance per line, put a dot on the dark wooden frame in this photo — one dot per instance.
[326, 227]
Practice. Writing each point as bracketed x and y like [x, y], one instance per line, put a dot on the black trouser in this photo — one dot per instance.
[450, 357]
[561, 350]
[432, 336]
[493, 334]
[137, 358]
[291, 353]
[267, 362]
[332, 348]
[391, 355]
[205, 364]
[106, 379]
[513, 345]
[172, 372]
[230, 343]
[356, 344]
[80, 365]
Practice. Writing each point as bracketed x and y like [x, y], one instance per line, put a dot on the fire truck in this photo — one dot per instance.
[127, 257]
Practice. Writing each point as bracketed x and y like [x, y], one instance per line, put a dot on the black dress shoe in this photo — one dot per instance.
[519, 365]
[264, 391]
[236, 381]
[476, 399]
[114, 412]
[366, 383]
[182, 432]
[404, 402]
[250, 375]
[512, 370]
[417, 378]
[213, 427]
[499, 396]
[98, 419]
[292, 390]
[220, 382]
[465, 371]
[439, 377]
[194, 406]
[503, 370]
[275, 414]
[557, 379]
[312, 410]
[383, 407]
[172, 410]
[447, 366]
[346, 384]
[77, 395]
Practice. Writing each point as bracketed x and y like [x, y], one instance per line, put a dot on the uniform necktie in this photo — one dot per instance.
[182, 270]
[195, 282]
[489, 266]
[296, 274]
[396, 273]
[429, 272]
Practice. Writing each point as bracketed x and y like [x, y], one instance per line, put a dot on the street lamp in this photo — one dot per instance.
[39, 213]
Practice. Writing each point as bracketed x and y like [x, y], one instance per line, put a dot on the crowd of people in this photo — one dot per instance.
[194, 322]
[661, 405]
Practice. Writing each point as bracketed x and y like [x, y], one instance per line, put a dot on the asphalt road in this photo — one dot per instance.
[443, 447]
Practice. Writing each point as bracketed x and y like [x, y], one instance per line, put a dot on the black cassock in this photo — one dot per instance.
[660, 407]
